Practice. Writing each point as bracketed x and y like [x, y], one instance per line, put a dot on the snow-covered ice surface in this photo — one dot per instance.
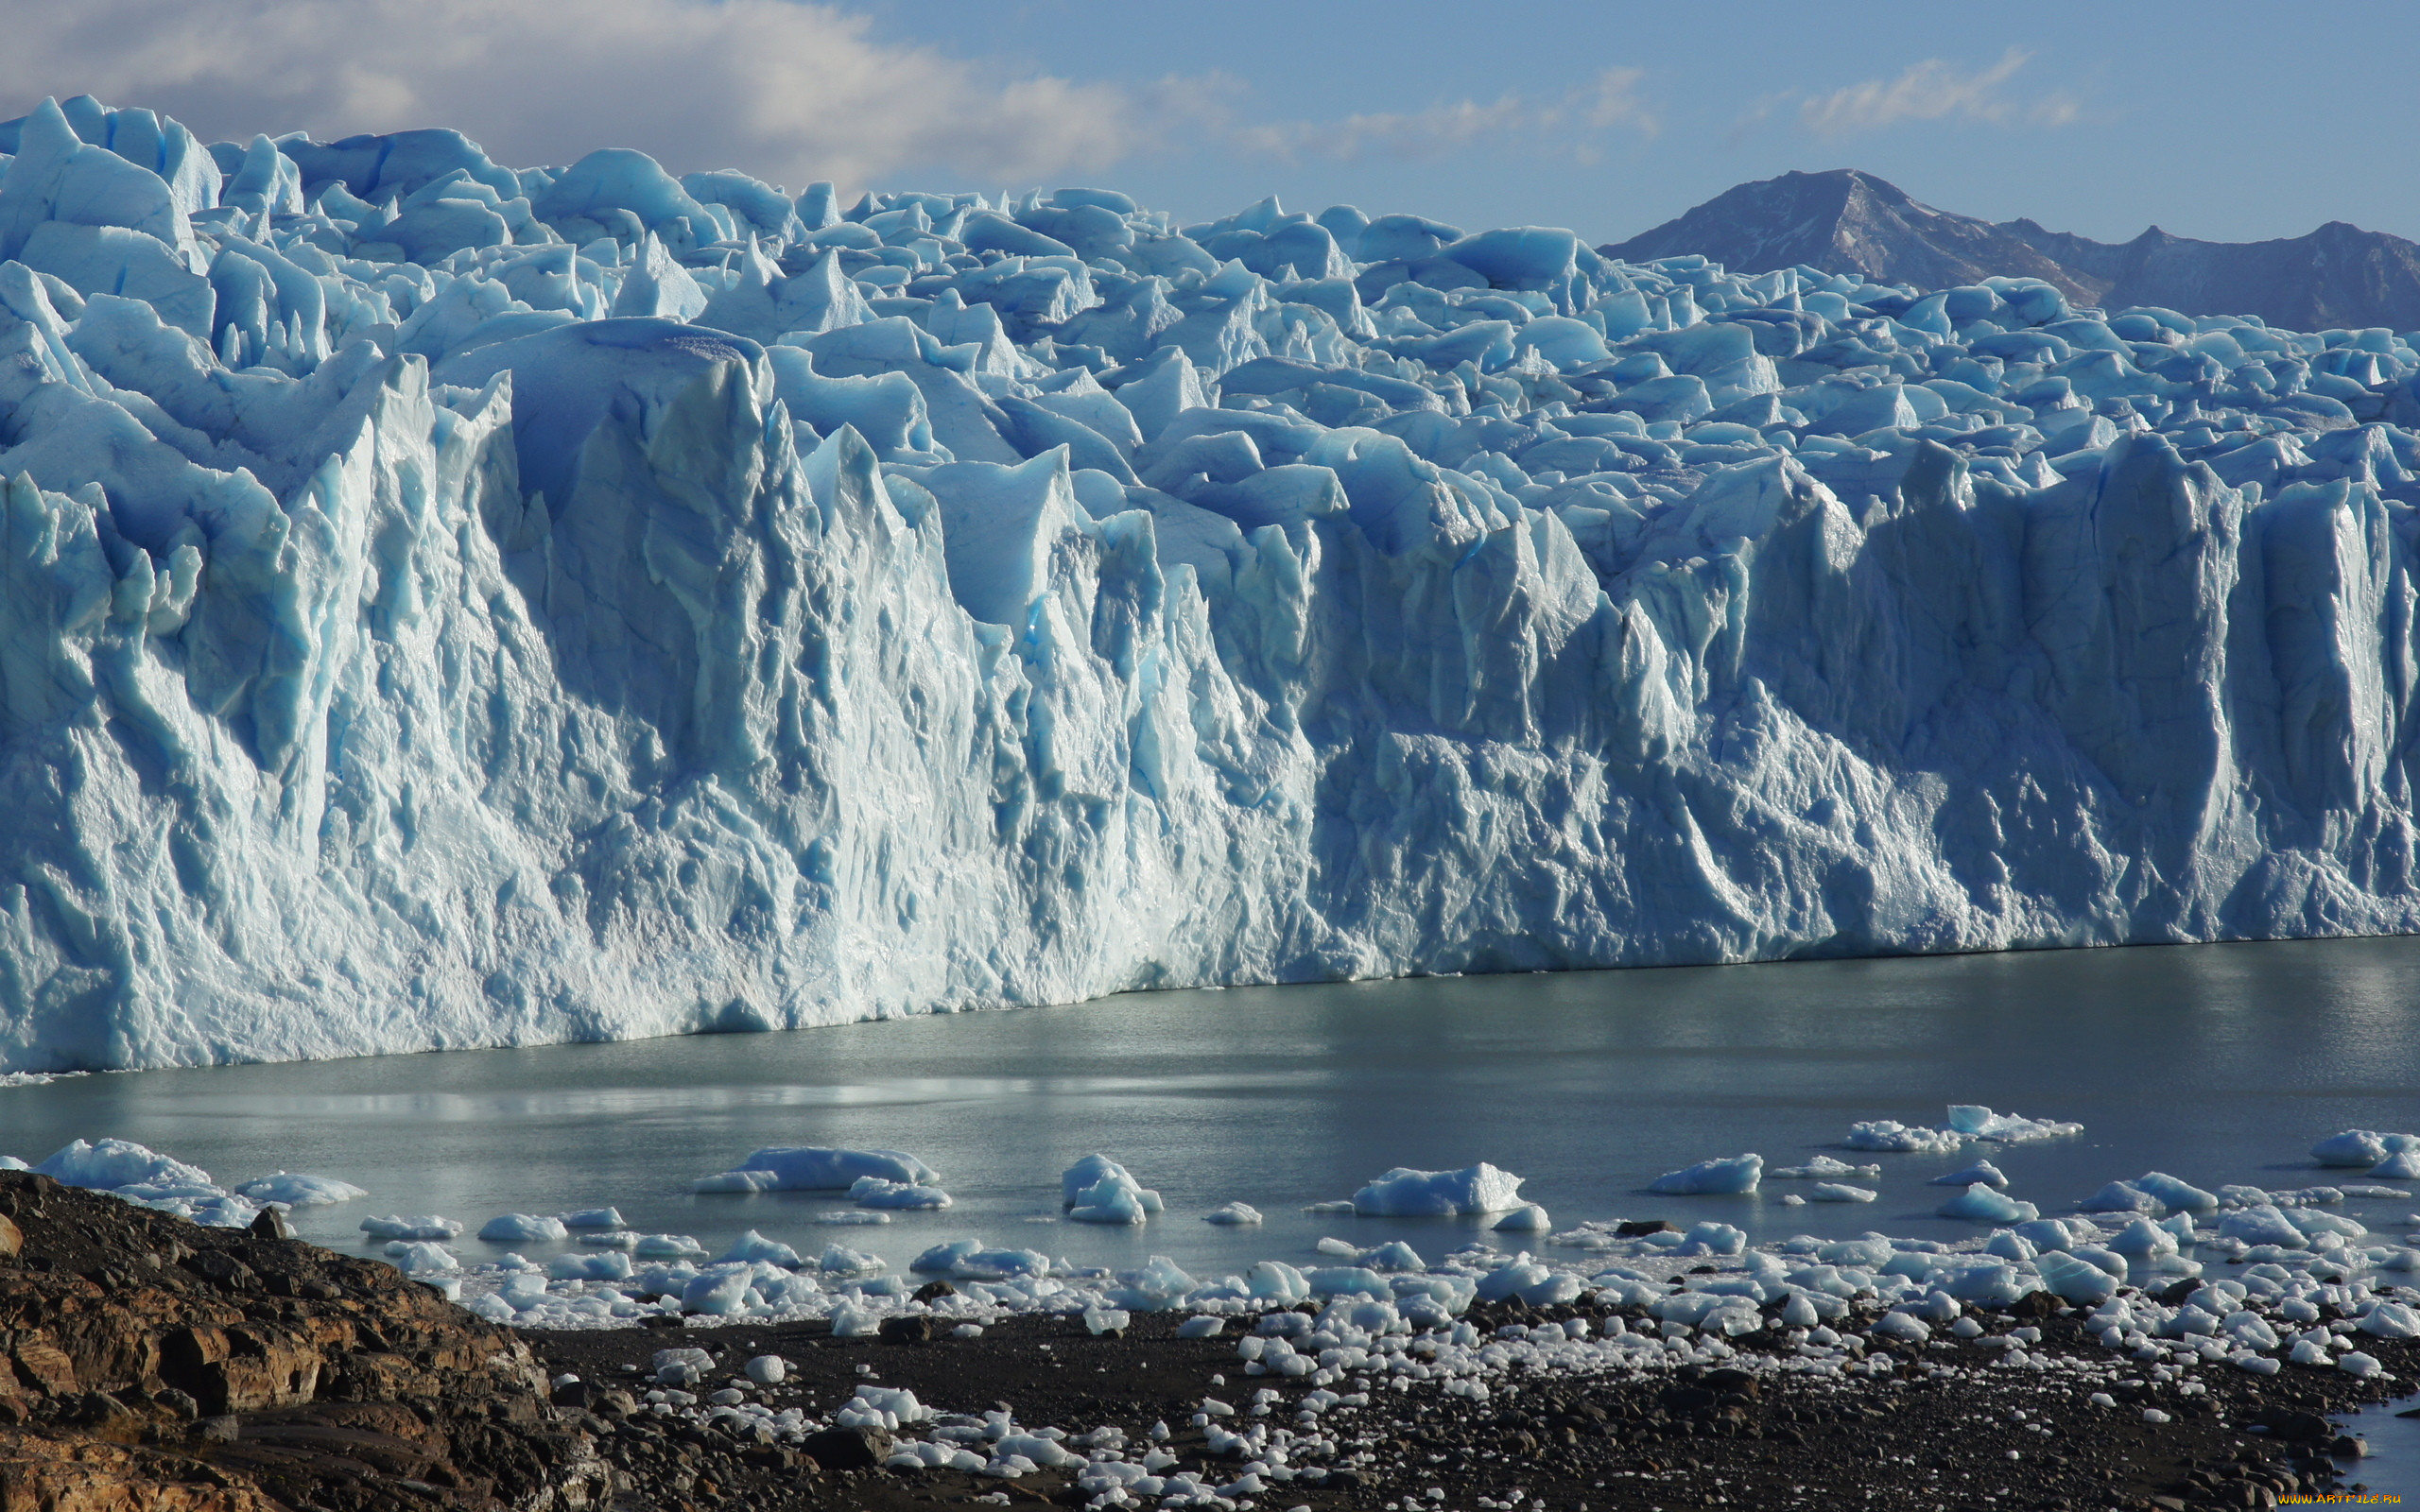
[450, 605]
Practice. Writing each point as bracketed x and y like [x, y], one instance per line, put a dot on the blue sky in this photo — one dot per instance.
[2224, 120]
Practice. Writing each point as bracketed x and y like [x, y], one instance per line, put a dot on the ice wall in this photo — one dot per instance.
[447, 605]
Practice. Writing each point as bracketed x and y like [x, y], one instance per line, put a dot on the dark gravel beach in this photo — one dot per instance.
[1720, 1437]
[159, 1364]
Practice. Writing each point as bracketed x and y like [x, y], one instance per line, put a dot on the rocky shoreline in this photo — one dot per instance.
[1972, 1436]
[157, 1364]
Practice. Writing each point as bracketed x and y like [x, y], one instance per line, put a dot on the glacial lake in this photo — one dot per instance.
[2215, 1063]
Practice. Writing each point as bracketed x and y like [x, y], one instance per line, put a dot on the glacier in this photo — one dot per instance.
[447, 605]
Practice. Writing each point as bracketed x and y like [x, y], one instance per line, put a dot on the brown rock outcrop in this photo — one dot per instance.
[148, 1363]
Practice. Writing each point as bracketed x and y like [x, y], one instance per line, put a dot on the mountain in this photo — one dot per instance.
[1845, 221]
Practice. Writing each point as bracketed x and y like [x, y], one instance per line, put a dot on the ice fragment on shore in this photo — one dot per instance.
[1406, 1192]
[1719, 1178]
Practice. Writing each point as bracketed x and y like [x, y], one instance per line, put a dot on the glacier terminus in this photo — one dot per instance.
[447, 605]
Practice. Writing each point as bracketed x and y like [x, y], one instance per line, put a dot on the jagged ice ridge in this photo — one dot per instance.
[447, 605]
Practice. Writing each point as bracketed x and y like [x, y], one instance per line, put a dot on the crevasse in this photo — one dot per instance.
[447, 605]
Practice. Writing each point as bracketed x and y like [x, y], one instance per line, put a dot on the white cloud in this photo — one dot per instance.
[1933, 89]
[789, 92]
[1609, 100]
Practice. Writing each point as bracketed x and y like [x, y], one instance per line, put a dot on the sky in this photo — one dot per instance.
[2217, 119]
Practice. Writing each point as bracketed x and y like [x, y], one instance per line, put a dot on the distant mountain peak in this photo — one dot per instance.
[1846, 220]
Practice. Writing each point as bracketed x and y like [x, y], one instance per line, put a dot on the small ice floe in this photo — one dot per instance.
[1527, 1219]
[1405, 1193]
[425, 1226]
[420, 1257]
[2177, 1197]
[816, 1168]
[295, 1190]
[1338, 1205]
[1983, 1203]
[2119, 1196]
[2362, 1148]
[610, 1239]
[595, 1219]
[752, 1246]
[972, 1260]
[1981, 1171]
[1235, 1215]
[1712, 1178]
[1892, 1136]
[666, 1246]
[1824, 1168]
[851, 1215]
[1835, 1191]
[1791, 1199]
[1099, 1190]
[912, 1197]
[839, 1259]
[521, 1228]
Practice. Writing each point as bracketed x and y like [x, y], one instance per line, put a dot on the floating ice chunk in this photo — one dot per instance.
[1406, 1192]
[666, 1246]
[1395, 1255]
[610, 1239]
[1982, 1204]
[1982, 1171]
[1712, 1239]
[1273, 1281]
[297, 1190]
[594, 1218]
[1099, 1190]
[428, 1226]
[1791, 1199]
[1976, 1122]
[2120, 1197]
[2403, 1165]
[1529, 1219]
[1822, 1168]
[113, 1164]
[752, 1246]
[718, 1291]
[2353, 1147]
[518, 1227]
[2182, 1196]
[874, 1191]
[2055, 1233]
[817, 1168]
[847, 1215]
[418, 1258]
[1237, 1214]
[839, 1259]
[2144, 1240]
[1835, 1192]
[737, 1181]
[611, 1265]
[1904, 1138]
[2263, 1225]
[1720, 1178]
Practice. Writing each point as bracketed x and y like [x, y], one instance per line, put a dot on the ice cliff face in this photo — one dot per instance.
[451, 606]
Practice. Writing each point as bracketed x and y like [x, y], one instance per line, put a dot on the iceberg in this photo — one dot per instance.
[1406, 1192]
[449, 605]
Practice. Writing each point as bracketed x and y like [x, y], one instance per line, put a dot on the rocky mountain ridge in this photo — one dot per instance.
[1847, 222]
